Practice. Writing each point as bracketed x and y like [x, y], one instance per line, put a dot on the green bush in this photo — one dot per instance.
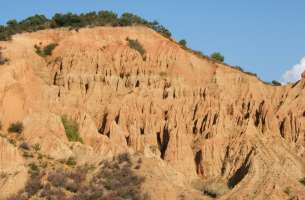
[136, 45]
[71, 161]
[239, 68]
[218, 57]
[128, 19]
[5, 33]
[65, 20]
[102, 18]
[38, 50]
[199, 54]
[16, 127]
[251, 73]
[34, 23]
[45, 51]
[159, 28]
[36, 147]
[34, 169]
[183, 43]
[276, 83]
[72, 129]
[107, 18]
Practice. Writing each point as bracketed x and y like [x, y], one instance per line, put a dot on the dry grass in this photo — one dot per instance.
[214, 188]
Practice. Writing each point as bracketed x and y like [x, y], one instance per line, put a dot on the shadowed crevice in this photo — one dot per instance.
[241, 172]
[163, 142]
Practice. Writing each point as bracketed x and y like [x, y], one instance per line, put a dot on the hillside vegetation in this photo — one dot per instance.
[101, 18]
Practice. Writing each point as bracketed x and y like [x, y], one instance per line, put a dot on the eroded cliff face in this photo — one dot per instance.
[201, 118]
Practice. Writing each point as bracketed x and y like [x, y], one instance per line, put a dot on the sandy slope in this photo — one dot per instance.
[186, 115]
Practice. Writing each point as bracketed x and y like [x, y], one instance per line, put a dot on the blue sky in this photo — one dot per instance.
[263, 36]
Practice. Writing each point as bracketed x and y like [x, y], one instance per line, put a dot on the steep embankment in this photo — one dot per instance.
[191, 116]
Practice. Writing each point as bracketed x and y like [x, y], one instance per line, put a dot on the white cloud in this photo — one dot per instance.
[294, 74]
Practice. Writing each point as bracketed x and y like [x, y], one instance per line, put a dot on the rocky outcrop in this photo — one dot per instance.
[202, 118]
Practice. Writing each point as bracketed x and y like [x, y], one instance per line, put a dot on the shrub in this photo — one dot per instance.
[78, 175]
[50, 187]
[38, 50]
[199, 54]
[136, 45]
[51, 193]
[34, 23]
[159, 28]
[33, 185]
[46, 51]
[213, 189]
[13, 24]
[251, 73]
[75, 21]
[71, 161]
[36, 147]
[24, 146]
[239, 68]
[72, 129]
[123, 158]
[128, 19]
[40, 156]
[114, 179]
[4, 33]
[57, 179]
[218, 57]
[276, 83]
[12, 141]
[64, 20]
[107, 18]
[246, 72]
[118, 178]
[27, 155]
[34, 169]
[183, 43]
[16, 127]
